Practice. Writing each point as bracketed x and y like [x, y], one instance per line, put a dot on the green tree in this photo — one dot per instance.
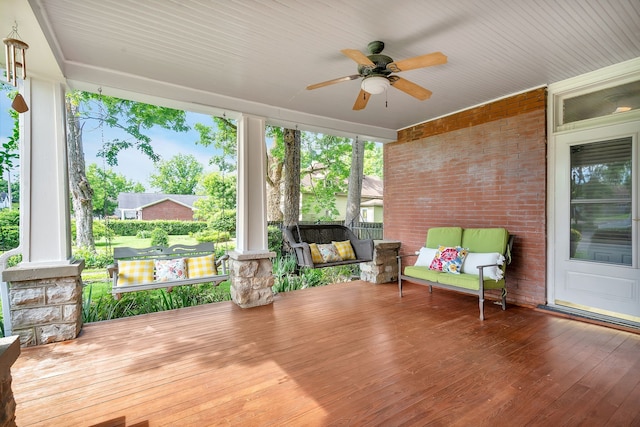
[373, 159]
[178, 175]
[223, 137]
[326, 160]
[220, 189]
[218, 209]
[132, 119]
[9, 150]
[106, 185]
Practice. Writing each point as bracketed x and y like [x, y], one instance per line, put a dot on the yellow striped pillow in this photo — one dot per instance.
[201, 266]
[345, 249]
[316, 256]
[137, 271]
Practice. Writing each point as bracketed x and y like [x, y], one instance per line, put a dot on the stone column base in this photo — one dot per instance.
[384, 266]
[9, 352]
[251, 275]
[45, 302]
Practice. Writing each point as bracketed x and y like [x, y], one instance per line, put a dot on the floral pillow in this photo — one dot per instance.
[170, 269]
[449, 259]
[329, 253]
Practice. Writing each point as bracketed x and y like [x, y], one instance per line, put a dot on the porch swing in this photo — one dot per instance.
[162, 267]
[326, 245]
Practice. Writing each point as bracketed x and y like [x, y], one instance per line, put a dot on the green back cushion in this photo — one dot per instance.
[485, 240]
[444, 236]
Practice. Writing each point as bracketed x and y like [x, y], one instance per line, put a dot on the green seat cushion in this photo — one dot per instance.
[485, 240]
[468, 281]
[444, 236]
[422, 273]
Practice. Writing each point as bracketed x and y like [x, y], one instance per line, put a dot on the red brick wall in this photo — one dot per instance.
[167, 210]
[484, 167]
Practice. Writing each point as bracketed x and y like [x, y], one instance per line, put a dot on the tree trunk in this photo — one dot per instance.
[274, 180]
[354, 191]
[81, 191]
[291, 176]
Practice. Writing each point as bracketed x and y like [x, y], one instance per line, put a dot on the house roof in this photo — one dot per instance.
[142, 200]
[257, 57]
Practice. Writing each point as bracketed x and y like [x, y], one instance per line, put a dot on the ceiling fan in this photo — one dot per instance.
[376, 71]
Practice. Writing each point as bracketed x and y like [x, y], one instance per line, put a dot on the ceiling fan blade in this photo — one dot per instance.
[358, 56]
[410, 88]
[334, 81]
[361, 100]
[427, 60]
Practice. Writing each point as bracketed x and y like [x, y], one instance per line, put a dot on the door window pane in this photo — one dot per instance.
[601, 205]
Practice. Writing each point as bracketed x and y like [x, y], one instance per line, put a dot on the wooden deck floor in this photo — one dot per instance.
[345, 354]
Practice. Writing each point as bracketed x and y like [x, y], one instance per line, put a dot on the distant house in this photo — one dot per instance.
[150, 206]
[371, 200]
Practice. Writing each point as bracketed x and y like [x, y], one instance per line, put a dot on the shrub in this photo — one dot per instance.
[159, 237]
[210, 235]
[143, 234]
[93, 259]
[9, 229]
[9, 217]
[274, 238]
[173, 228]
[100, 230]
[224, 220]
[105, 307]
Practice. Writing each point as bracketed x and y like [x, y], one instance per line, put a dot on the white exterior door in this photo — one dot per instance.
[595, 238]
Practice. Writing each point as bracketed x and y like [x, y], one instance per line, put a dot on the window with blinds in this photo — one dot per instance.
[601, 201]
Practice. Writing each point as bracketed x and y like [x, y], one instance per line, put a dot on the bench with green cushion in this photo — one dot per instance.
[475, 240]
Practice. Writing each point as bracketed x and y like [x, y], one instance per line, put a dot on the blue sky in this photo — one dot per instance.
[138, 167]
[131, 163]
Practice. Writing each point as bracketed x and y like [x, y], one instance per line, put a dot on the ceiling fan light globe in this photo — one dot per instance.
[375, 84]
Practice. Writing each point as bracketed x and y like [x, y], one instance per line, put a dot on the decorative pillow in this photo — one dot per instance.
[329, 253]
[345, 250]
[473, 260]
[201, 266]
[316, 256]
[170, 269]
[449, 259]
[425, 256]
[137, 271]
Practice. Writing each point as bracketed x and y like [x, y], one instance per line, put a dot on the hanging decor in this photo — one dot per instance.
[19, 104]
[14, 50]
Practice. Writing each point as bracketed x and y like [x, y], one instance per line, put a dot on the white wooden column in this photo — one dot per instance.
[45, 289]
[251, 219]
[44, 185]
[250, 267]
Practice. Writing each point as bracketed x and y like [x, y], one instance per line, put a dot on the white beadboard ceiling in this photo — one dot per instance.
[257, 56]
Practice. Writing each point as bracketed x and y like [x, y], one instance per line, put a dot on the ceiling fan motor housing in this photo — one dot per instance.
[380, 68]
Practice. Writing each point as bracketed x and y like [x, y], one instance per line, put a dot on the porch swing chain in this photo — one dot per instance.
[104, 174]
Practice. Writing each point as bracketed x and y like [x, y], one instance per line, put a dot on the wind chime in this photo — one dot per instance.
[15, 58]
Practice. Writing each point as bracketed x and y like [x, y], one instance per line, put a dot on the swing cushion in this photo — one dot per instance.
[345, 250]
[136, 271]
[329, 253]
[201, 266]
[170, 269]
[316, 256]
